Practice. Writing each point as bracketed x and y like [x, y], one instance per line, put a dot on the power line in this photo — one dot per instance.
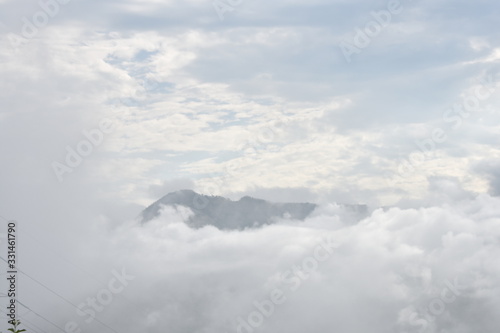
[55, 253]
[61, 297]
[30, 326]
[67, 301]
[39, 315]
[24, 321]
[93, 277]
[34, 312]
[64, 259]
[52, 291]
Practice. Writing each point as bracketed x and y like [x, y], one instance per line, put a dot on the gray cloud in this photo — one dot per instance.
[390, 269]
[187, 93]
[491, 171]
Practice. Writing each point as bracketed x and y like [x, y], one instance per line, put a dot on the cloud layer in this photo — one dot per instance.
[263, 103]
[192, 96]
[407, 270]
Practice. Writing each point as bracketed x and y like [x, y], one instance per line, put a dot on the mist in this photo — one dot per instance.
[430, 269]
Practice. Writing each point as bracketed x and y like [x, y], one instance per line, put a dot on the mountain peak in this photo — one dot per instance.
[224, 213]
[248, 198]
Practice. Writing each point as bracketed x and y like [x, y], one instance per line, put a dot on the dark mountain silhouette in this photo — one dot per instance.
[223, 213]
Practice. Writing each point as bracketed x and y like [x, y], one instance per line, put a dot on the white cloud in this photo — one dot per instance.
[188, 92]
[387, 270]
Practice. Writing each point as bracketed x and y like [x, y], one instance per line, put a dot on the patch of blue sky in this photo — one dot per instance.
[143, 55]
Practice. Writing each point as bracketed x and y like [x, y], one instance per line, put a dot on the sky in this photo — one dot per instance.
[106, 106]
[292, 95]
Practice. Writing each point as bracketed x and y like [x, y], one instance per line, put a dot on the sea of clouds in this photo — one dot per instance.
[430, 269]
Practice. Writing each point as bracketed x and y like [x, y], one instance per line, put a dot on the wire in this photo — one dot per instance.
[1, 217]
[39, 315]
[52, 291]
[25, 321]
[55, 253]
[64, 259]
[61, 297]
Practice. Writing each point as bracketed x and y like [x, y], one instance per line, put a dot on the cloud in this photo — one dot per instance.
[157, 191]
[187, 98]
[390, 269]
[490, 169]
[193, 99]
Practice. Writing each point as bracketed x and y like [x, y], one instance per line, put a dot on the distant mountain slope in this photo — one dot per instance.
[227, 214]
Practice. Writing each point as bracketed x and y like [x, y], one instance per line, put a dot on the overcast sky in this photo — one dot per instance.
[108, 105]
[275, 95]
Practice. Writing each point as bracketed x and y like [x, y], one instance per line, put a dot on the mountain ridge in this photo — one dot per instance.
[226, 214]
